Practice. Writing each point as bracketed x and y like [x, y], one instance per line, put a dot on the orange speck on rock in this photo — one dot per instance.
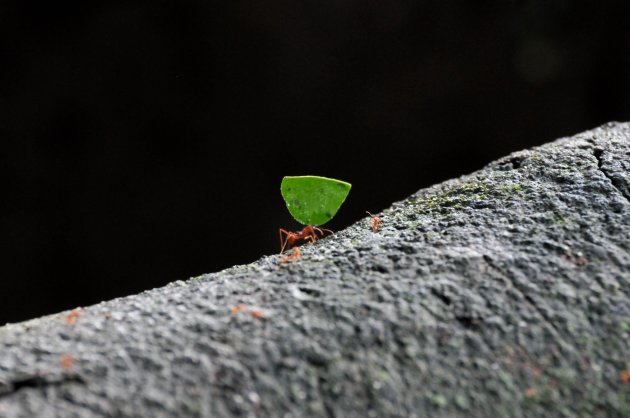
[536, 370]
[624, 376]
[238, 308]
[66, 361]
[73, 316]
[296, 254]
[256, 313]
[530, 392]
[553, 384]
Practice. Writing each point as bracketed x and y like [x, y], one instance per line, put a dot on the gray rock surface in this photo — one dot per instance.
[500, 294]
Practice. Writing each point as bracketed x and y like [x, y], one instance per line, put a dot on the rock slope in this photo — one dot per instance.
[502, 293]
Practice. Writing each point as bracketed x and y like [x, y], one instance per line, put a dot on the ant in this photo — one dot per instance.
[376, 222]
[307, 234]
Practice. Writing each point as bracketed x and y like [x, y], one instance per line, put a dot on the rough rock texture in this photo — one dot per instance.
[503, 293]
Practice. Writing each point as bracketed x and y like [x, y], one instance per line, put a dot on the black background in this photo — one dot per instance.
[145, 141]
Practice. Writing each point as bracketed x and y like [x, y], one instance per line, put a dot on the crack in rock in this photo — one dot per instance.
[599, 155]
[37, 381]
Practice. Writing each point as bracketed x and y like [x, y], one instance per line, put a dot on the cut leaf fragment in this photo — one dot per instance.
[313, 200]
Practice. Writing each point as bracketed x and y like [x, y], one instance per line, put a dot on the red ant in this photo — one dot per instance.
[376, 222]
[307, 234]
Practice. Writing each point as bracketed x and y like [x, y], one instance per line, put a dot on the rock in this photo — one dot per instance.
[502, 293]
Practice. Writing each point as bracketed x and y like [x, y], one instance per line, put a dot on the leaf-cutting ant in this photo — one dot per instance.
[376, 222]
[307, 234]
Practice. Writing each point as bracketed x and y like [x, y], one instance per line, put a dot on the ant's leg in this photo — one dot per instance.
[283, 243]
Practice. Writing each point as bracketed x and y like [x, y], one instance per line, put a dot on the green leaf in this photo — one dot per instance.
[313, 200]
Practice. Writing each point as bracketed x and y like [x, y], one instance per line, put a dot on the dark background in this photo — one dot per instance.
[145, 141]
